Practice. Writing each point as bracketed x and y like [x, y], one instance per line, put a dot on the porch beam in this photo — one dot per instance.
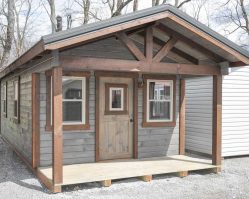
[217, 109]
[216, 58]
[57, 139]
[83, 63]
[131, 46]
[149, 44]
[182, 118]
[165, 49]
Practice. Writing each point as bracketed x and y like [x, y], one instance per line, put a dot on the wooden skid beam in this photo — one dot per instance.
[183, 174]
[165, 49]
[83, 63]
[131, 46]
[57, 139]
[182, 118]
[146, 178]
[106, 183]
[217, 108]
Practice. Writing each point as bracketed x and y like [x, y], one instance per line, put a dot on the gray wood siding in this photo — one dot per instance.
[108, 48]
[199, 114]
[78, 146]
[235, 112]
[156, 142]
[19, 135]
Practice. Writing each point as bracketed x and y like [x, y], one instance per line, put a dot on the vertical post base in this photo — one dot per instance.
[106, 183]
[146, 178]
[182, 174]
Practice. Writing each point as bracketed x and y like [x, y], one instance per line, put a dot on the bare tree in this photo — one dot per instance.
[85, 6]
[51, 13]
[116, 6]
[22, 11]
[234, 16]
[7, 34]
[175, 3]
[135, 5]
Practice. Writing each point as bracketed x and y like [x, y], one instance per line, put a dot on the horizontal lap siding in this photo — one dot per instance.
[199, 114]
[235, 112]
[160, 141]
[78, 147]
[19, 135]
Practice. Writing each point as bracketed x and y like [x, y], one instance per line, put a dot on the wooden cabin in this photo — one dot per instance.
[107, 101]
[235, 114]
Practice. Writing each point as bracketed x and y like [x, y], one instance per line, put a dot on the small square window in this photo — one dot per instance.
[116, 99]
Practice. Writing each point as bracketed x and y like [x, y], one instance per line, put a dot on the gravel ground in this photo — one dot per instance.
[16, 181]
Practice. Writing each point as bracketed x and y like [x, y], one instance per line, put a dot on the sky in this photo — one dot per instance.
[41, 25]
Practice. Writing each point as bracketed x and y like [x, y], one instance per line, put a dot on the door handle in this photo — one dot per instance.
[131, 120]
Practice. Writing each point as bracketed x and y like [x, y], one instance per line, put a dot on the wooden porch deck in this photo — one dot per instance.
[118, 169]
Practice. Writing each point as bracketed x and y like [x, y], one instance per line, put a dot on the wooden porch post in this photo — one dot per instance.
[57, 137]
[182, 118]
[217, 108]
[35, 120]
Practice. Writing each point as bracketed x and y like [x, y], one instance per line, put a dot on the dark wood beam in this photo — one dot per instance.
[216, 58]
[165, 49]
[149, 44]
[35, 120]
[237, 64]
[131, 46]
[217, 109]
[81, 63]
[57, 137]
[178, 52]
[182, 118]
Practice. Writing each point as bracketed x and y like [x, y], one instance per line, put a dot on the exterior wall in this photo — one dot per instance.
[235, 112]
[160, 141]
[78, 146]
[19, 135]
[199, 103]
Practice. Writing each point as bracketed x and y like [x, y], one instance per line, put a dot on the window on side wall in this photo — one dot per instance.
[5, 99]
[75, 110]
[74, 100]
[159, 102]
[16, 99]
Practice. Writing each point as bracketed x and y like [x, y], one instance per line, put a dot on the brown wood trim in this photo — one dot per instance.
[217, 120]
[131, 46]
[19, 100]
[86, 63]
[135, 118]
[107, 99]
[48, 126]
[6, 100]
[182, 107]
[48, 182]
[148, 43]
[97, 80]
[116, 74]
[135, 109]
[57, 137]
[165, 49]
[158, 124]
[35, 120]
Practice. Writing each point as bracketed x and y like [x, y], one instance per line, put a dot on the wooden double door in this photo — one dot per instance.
[115, 132]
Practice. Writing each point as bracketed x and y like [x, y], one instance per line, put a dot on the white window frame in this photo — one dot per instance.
[83, 100]
[171, 100]
[122, 98]
[16, 97]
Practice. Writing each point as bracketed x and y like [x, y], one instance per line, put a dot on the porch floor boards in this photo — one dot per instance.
[118, 169]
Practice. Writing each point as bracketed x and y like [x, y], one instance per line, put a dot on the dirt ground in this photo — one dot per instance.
[16, 181]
